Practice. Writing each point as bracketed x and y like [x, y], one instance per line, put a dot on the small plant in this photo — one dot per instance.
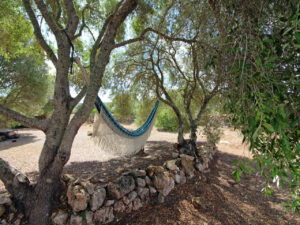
[212, 129]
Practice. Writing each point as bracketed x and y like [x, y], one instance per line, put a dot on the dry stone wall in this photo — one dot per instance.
[95, 202]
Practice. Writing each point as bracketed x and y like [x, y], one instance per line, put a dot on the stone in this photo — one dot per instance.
[119, 207]
[123, 186]
[125, 200]
[139, 173]
[104, 215]
[177, 178]
[148, 180]
[182, 177]
[2, 210]
[187, 163]
[171, 165]
[187, 157]
[11, 216]
[75, 220]
[199, 166]
[129, 208]
[137, 204]
[109, 202]
[5, 199]
[89, 218]
[151, 170]
[152, 190]
[17, 222]
[160, 198]
[89, 133]
[98, 198]
[88, 186]
[175, 154]
[60, 217]
[143, 192]
[140, 182]
[131, 196]
[77, 198]
[196, 201]
[163, 183]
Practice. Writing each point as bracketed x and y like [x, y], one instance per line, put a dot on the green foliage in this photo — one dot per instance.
[212, 129]
[16, 31]
[143, 109]
[122, 107]
[264, 98]
[167, 120]
[25, 85]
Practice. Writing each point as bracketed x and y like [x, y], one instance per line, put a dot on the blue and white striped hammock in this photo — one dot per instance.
[111, 136]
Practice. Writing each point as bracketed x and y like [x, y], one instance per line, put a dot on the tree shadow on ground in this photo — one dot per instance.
[155, 153]
[216, 199]
[25, 138]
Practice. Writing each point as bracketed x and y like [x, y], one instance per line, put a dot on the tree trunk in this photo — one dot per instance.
[180, 137]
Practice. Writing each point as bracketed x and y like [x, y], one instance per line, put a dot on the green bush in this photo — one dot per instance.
[166, 120]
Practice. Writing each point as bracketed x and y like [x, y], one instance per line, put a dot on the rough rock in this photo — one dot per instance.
[77, 198]
[129, 208]
[137, 204]
[89, 133]
[151, 170]
[2, 210]
[187, 163]
[187, 157]
[139, 173]
[148, 180]
[182, 177]
[17, 222]
[88, 186]
[119, 206]
[160, 198]
[89, 218]
[171, 165]
[140, 182]
[163, 183]
[177, 178]
[60, 218]
[199, 166]
[104, 215]
[5, 199]
[131, 196]
[75, 220]
[98, 198]
[109, 202]
[123, 186]
[11, 216]
[143, 192]
[152, 190]
[67, 177]
[175, 154]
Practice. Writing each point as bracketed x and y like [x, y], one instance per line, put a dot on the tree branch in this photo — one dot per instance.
[14, 181]
[38, 33]
[48, 17]
[149, 29]
[34, 123]
[73, 18]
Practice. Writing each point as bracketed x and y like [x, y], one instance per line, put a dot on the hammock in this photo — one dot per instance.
[111, 136]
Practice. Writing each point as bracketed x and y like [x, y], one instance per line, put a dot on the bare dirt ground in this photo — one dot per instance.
[214, 199]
